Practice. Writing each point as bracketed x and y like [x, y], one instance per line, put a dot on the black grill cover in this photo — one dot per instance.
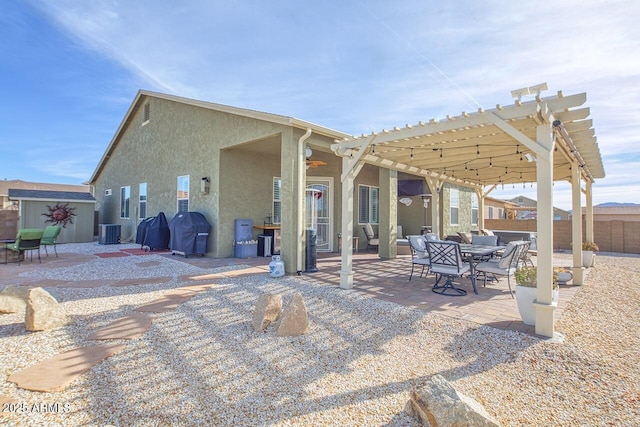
[189, 232]
[142, 230]
[157, 233]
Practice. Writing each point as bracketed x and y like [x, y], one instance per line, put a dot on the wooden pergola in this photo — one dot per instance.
[542, 141]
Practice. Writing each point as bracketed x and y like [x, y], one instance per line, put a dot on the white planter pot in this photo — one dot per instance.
[525, 297]
[587, 258]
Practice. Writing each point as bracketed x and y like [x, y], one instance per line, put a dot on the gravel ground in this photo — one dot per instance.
[202, 364]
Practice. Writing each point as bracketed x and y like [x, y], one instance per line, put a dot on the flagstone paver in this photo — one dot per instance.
[142, 281]
[56, 373]
[167, 303]
[127, 327]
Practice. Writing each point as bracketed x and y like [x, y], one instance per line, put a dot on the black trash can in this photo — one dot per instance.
[311, 251]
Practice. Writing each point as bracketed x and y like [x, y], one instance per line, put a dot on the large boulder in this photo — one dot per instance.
[43, 311]
[437, 403]
[294, 319]
[13, 299]
[267, 310]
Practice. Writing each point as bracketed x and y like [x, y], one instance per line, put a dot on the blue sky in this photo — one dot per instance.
[70, 69]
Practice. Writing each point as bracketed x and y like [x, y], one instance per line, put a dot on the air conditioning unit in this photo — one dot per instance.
[109, 234]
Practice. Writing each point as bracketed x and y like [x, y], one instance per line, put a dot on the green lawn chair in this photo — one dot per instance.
[49, 238]
[28, 239]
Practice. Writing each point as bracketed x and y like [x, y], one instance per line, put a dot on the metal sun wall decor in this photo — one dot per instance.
[60, 214]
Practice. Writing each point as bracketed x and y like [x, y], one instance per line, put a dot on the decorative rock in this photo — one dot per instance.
[268, 309]
[437, 403]
[43, 311]
[13, 299]
[294, 320]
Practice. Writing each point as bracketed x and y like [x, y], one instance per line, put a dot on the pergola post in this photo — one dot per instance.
[349, 173]
[480, 195]
[388, 214]
[544, 304]
[589, 213]
[434, 187]
[576, 224]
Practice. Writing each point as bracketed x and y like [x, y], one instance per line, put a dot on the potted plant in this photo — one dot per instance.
[526, 284]
[588, 249]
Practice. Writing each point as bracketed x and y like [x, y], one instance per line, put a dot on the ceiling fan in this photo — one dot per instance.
[315, 163]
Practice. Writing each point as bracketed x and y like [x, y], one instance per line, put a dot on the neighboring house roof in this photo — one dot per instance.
[500, 201]
[614, 210]
[258, 115]
[47, 196]
[25, 185]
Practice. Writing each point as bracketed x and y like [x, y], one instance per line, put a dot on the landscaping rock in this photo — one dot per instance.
[43, 311]
[13, 299]
[294, 319]
[268, 309]
[437, 403]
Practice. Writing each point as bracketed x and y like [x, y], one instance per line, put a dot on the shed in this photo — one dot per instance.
[74, 211]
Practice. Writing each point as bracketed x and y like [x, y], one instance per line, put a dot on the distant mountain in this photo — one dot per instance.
[616, 204]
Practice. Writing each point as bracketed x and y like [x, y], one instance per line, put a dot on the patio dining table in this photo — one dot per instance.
[474, 253]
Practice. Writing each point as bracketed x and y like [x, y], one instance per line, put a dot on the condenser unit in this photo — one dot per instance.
[109, 234]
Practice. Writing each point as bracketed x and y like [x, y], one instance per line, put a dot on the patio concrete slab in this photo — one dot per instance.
[127, 327]
[56, 373]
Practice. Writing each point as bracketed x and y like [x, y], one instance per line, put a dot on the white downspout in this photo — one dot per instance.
[301, 200]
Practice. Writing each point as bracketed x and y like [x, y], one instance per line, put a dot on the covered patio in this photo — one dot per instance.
[544, 140]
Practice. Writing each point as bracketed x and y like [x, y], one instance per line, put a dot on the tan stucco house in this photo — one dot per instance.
[171, 154]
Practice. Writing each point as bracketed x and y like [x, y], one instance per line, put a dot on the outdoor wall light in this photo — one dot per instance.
[204, 184]
[425, 199]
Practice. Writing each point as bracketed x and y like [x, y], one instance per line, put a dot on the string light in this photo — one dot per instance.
[411, 153]
[490, 162]
[373, 151]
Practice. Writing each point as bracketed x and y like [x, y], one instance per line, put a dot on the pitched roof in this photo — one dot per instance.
[63, 196]
[258, 115]
[5, 185]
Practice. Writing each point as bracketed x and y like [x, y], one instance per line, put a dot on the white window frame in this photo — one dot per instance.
[182, 191]
[371, 213]
[276, 206]
[142, 200]
[474, 209]
[146, 113]
[454, 206]
[500, 213]
[125, 202]
[490, 212]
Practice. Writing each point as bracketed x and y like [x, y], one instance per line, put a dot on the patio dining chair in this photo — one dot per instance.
[28, 239]
[371, 239]
[49, 238]
[446, 260]
[419, 254]
[507, 264]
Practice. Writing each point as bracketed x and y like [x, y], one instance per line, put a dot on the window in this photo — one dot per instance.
[368, 204]
[490, 212]
[146, 114]
[183, 193]
[276, 216]
[143, 201]
[474, 209]
[454, 204]
[125, 200]
[500, 213]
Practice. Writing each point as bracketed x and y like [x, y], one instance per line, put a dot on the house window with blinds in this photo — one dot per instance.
[183, 193]
[454, 203]
[276, 215]
[368, 204]
[125, 201]
[142, 201]
[474, 209]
